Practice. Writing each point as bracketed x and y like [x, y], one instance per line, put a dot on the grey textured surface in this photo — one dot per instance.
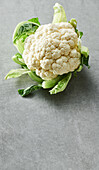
[44, 132]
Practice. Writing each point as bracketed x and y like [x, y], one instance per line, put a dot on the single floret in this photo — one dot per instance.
[52, 50]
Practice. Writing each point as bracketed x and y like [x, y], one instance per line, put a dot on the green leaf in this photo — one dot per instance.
[17, 58]
[24, 28]
[79, 68]
[22, 31]
[35, 20]
[19, 44]
[73, 22]
[24, 67]
[85, 60]
[27, 91]
[59, 14]
[75, 73]
[80, 34]
[50, 83]
[85, 51]
[62, 84]
[34, 77]
[16, 73]
[21, 91]
[76, 30]
[85, 56]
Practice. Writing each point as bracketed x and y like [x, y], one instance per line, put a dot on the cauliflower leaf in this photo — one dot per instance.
[16, 73]
[34, 77]
[85, 56]
[50, 83]
[17, 58]
[59, 14]
[22, 31]
[35, 20]
[28, 90]
[62, 84]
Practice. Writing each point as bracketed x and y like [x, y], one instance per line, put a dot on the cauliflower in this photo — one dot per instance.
[49, 53]
[52, 50]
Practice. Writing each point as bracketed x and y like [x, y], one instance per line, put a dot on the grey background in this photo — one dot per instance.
[44, 132]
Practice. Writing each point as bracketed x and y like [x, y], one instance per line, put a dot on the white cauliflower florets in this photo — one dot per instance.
[52, 50]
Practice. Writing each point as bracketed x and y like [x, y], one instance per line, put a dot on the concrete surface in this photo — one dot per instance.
[44, 132]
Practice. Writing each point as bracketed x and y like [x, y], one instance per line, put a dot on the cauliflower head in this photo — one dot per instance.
[52, 50]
